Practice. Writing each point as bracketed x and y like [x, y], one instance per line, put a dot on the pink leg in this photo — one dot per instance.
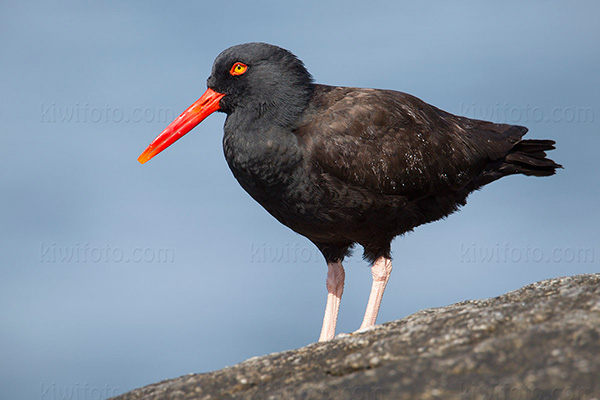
[335, 288]
[381, 270]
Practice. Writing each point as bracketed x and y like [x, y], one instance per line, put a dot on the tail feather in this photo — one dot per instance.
[533, 145]
[528, 157]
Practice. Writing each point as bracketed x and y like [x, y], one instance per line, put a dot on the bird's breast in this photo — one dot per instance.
[266, 164]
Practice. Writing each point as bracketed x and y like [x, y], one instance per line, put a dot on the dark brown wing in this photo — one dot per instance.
[393, 143]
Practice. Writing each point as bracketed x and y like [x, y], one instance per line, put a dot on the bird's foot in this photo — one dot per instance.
[342, 335]
[364, 329]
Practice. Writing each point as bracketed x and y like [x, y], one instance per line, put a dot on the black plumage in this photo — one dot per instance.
[346, 165]
[342, 165]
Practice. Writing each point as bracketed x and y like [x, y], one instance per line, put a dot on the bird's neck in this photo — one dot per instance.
[259, 141]
[263, 156]
[279, 108]
[259, 150]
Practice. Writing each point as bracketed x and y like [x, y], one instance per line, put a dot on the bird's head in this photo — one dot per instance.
[258, 80]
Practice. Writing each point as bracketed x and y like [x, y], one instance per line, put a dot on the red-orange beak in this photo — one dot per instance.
[202, 108]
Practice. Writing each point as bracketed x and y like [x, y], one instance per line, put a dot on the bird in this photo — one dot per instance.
[347, 166]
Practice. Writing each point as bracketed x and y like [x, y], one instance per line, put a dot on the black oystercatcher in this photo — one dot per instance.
[343, 165]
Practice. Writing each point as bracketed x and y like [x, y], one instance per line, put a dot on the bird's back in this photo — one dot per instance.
[394, 149]
[393, 143]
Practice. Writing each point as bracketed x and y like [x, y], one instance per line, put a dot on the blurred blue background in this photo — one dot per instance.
[114, 275]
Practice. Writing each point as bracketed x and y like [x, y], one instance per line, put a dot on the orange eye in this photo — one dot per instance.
[238, 69]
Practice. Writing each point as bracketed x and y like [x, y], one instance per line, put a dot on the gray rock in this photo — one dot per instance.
[539, 342]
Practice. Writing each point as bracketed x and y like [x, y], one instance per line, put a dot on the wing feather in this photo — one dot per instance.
[393, 143]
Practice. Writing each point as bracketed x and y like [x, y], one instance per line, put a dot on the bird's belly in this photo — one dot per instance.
[322, 208]
[312, 208]
[291, 198]
[284, 197]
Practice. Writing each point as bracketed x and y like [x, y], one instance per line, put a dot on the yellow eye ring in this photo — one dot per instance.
[238, 69]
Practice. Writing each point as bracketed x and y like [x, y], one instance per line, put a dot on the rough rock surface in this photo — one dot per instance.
[539, 342]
